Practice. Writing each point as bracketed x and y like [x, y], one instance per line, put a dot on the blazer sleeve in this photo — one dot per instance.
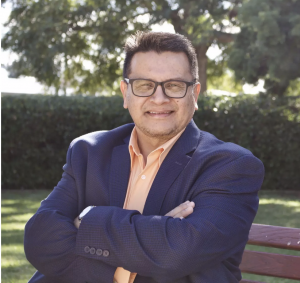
[167, 249]
[50, 238]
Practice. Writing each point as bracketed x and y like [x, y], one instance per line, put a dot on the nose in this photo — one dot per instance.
[159, 97]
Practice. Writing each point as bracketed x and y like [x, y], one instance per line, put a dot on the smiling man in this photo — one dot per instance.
[154, 201]
[162, 110]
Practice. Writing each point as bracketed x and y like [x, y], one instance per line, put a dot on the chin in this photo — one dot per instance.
[166, 133]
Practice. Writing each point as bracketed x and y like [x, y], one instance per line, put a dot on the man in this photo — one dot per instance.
[111, 218]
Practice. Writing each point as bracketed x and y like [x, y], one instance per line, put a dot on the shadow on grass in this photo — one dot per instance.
[17, 274]
[286, 213]
[8, 220]
[17, 208]
[11, 237]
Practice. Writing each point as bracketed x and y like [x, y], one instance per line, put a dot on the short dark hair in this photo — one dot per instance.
[159, 42]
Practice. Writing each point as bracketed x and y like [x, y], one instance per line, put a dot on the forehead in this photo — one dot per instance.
[160, 66]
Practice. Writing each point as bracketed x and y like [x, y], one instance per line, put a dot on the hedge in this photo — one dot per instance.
[37, 130]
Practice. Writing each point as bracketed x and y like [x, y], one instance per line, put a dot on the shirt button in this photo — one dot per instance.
[99, 252]
[105, 253]
[87, 249]
[143, 177]
[92, 251]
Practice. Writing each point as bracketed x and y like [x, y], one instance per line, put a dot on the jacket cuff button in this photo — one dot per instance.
[87, 249]
[99, 252]
[92, 251]
[105, 253]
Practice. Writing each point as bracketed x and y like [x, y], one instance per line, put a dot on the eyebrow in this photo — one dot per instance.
[176, 78]
[171, 79]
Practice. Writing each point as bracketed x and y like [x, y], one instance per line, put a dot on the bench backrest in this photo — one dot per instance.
[270, 264]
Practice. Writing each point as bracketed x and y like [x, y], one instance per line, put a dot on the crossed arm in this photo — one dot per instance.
[50, 241]
[181, 211]
[162, 247]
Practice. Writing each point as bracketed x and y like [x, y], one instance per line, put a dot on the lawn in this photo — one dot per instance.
[17, 207]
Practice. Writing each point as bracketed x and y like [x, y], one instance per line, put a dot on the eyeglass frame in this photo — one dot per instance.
[188, 84]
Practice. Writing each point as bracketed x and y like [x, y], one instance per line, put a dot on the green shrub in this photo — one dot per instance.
[37, 130]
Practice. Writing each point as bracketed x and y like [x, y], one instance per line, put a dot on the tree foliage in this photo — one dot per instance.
[268, 46]
[67, 44]
[78, 44]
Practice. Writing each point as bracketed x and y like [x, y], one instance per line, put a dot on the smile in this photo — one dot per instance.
[159, 114]
[166, 112]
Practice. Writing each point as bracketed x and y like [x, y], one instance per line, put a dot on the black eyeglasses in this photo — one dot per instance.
[171, 88]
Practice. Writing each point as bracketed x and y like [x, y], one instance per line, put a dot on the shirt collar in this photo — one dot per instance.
[164, 148]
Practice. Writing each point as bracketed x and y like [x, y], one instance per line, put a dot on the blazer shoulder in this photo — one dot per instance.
[112, 137]
[228, 150]
[219, 158]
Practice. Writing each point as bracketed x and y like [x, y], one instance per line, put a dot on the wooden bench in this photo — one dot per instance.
[271, 264]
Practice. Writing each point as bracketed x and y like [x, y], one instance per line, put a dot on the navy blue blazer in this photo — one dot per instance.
[221, 178]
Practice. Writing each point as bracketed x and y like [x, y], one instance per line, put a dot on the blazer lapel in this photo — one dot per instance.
[119, 175]
[174, 163]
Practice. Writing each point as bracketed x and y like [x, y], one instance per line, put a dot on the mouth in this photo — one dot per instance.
[159, 114]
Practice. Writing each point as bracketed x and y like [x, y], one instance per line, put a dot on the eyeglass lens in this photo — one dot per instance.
[146, 88]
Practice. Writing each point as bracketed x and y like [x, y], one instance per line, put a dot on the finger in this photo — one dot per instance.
[76, 222]
[186, 212]
[178, 209]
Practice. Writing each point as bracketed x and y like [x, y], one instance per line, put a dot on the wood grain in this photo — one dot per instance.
[275, 236]
[250, 281]
[277, 265]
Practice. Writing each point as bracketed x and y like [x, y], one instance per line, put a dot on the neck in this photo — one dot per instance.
[148, 144]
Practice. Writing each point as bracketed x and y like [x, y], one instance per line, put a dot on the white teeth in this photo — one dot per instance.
[159, 112]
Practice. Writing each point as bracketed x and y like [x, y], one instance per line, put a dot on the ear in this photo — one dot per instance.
[196, 92]
[123, 88]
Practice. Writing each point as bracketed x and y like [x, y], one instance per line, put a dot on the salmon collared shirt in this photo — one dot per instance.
[141, 178]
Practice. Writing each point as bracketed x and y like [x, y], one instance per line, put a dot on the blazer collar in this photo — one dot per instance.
[170, 169]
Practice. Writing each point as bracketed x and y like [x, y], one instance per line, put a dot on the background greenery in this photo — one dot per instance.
[37, 130]
[19, 206]
[56, 40]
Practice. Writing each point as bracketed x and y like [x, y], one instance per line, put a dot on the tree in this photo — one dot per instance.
[268, 46]
[56, 39]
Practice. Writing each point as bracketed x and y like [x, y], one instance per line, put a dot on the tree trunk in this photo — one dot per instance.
[276, 88]
[202, 65]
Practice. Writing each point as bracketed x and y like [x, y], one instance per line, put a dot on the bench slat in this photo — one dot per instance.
[250, 281]
[277, 265]
[275, 236]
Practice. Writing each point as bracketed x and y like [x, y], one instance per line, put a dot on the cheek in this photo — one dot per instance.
[131, 101]
[135, 106]
[189, 107]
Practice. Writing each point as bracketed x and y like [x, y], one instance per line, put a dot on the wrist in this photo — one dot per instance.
[85, 212]
[77, 220]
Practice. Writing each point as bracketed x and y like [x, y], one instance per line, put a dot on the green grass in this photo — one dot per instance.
[18, 206]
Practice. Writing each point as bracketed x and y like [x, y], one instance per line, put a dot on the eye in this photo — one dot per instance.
[174, 85]
[147, 85]
[143, 84]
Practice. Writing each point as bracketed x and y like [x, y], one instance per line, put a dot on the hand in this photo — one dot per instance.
[76, 222]
[183, 210]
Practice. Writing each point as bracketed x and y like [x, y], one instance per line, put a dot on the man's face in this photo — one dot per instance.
[159, 116]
